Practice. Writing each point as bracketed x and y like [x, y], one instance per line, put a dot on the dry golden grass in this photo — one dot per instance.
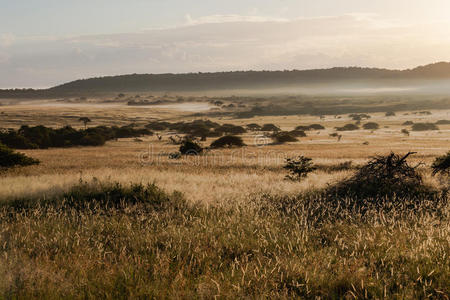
[235, 243]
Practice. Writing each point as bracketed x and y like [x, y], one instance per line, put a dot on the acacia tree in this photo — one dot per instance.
[85, 120]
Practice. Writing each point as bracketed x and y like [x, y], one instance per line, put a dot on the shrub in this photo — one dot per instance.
[371, 126]
[347, 127]
[157, 126]
[270, 127]
[310, 127]
[408, 123]
[387, 176]
[302, 128]
[424, 127]
[283, 137]
[92, 140]
[228, 141]
[14, 140]
[390, 114]
[9, 158]
[254, 127]
[443, 122]
[299, 167]
[230, 129]
[190, 147]
[405, 132]
[297, 133]
[39, 135]
[98, 196]
[441, 165]
[316, 127]
[359, 117]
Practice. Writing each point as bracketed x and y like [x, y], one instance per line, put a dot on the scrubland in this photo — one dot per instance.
[226, 224]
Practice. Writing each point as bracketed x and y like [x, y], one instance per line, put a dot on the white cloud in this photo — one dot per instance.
[224, 43]
[230, 19]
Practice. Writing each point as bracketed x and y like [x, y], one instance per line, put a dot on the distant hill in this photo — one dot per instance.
[240, 80]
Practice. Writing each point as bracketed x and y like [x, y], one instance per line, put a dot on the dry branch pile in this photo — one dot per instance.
[387, 176]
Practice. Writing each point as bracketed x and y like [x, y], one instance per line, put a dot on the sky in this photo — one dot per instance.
[48, 42]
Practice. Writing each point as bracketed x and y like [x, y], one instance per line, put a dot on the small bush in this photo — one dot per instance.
[228, 141]
[270, 127]
[347, 127]
[316, 127]
[441, 165]
[253, 127]
[299, 167]
[424, 127]
[309, 127]
[297, 133]
[405, 132]
[408, 123]
[283, 137]
[9, 158]
[443, 122]
[359, 117]
[371, 126]
[390, 114]
[387, 176]
[189, 147]
[160, 126]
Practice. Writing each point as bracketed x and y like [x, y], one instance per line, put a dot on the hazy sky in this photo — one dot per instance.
[46, 42]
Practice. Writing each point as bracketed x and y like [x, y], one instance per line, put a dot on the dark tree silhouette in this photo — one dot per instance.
[85, 120]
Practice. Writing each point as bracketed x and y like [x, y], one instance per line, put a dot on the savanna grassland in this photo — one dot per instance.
[125, 220]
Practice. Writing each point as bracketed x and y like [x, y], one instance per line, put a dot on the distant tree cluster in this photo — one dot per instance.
[198, 128]
[310, 127]
[41, 137]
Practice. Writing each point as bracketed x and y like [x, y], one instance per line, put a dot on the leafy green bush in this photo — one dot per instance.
[299, 167]
[9, 158]
[228, 141]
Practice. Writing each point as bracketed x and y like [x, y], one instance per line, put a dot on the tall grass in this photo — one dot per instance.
[271, 247]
